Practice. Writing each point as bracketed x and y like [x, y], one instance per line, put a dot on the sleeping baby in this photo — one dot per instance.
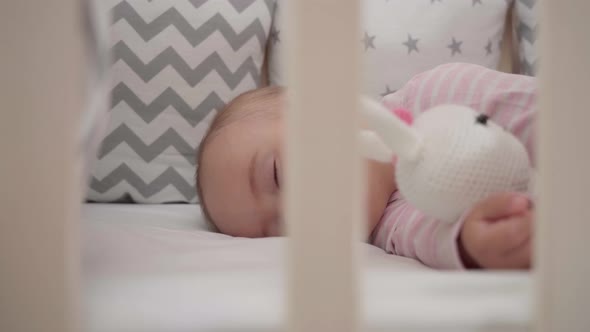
[240, 167]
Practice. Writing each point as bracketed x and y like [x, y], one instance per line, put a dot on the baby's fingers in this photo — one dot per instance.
[513, 237]
[514, 231]
[520, 257]
[503, 205]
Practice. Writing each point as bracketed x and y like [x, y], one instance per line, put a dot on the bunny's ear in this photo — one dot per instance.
[372, 147]
[403, 140]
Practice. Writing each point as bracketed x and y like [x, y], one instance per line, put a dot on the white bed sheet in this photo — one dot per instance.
[157, 268]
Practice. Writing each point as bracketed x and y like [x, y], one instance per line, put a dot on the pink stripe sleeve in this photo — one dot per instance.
[405, 231]
[509, 100]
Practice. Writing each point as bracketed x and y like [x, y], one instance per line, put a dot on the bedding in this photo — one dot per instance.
[399, 39]
[159, 268]
[527, 25]
[94, 116]
[174, 64]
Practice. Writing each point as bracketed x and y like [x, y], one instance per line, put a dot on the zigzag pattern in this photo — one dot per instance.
[149, 132]
[148, 91]
[526, 32]
[529, 3]
[528, 68]
[169, 57]
[197, 3]
[122, 93]
[148, 152]
[241, 5]
[170, 37]
[188, 55]
[217, 23]
[169, 177]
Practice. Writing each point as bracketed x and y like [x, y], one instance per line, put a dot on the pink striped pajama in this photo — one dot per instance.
[508, 99]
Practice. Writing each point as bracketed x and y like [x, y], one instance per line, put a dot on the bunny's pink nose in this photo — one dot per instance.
[405, 115]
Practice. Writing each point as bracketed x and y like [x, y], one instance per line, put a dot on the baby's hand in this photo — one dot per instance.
[497, 233]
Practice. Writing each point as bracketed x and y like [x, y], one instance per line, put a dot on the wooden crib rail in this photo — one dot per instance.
[563, 216]
[41, 93]
[323, 173]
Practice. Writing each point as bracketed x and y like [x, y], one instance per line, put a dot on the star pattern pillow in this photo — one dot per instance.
[401, 38]
[175, 63]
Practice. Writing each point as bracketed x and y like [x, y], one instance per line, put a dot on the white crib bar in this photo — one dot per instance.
[41, 89]
[323, 198]
[563, 266]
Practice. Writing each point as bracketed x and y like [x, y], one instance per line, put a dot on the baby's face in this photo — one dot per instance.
[240, 176]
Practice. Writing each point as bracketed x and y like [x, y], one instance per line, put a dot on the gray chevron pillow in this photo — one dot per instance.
[175, 63]
[526, 31]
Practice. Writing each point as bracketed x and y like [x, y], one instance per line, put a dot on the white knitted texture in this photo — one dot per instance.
[461, 162]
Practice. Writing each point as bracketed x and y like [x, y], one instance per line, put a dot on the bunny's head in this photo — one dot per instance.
[450, 157]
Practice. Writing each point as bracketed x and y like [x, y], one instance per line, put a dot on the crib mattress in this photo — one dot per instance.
[158, 268]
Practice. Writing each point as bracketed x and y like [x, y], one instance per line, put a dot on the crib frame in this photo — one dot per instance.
[40, 148]
[323, 279]
[562, 270]
[41, 90]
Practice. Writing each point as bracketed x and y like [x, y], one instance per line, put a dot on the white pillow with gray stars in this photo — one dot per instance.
[401, 38]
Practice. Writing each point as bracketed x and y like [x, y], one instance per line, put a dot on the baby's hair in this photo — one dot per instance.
[263, 101]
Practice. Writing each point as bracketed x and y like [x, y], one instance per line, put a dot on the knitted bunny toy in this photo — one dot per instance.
[447, 159]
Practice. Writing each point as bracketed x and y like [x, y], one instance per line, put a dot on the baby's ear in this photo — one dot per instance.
[405, 115]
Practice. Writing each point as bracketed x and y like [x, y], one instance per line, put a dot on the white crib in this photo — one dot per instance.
[40, 283]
